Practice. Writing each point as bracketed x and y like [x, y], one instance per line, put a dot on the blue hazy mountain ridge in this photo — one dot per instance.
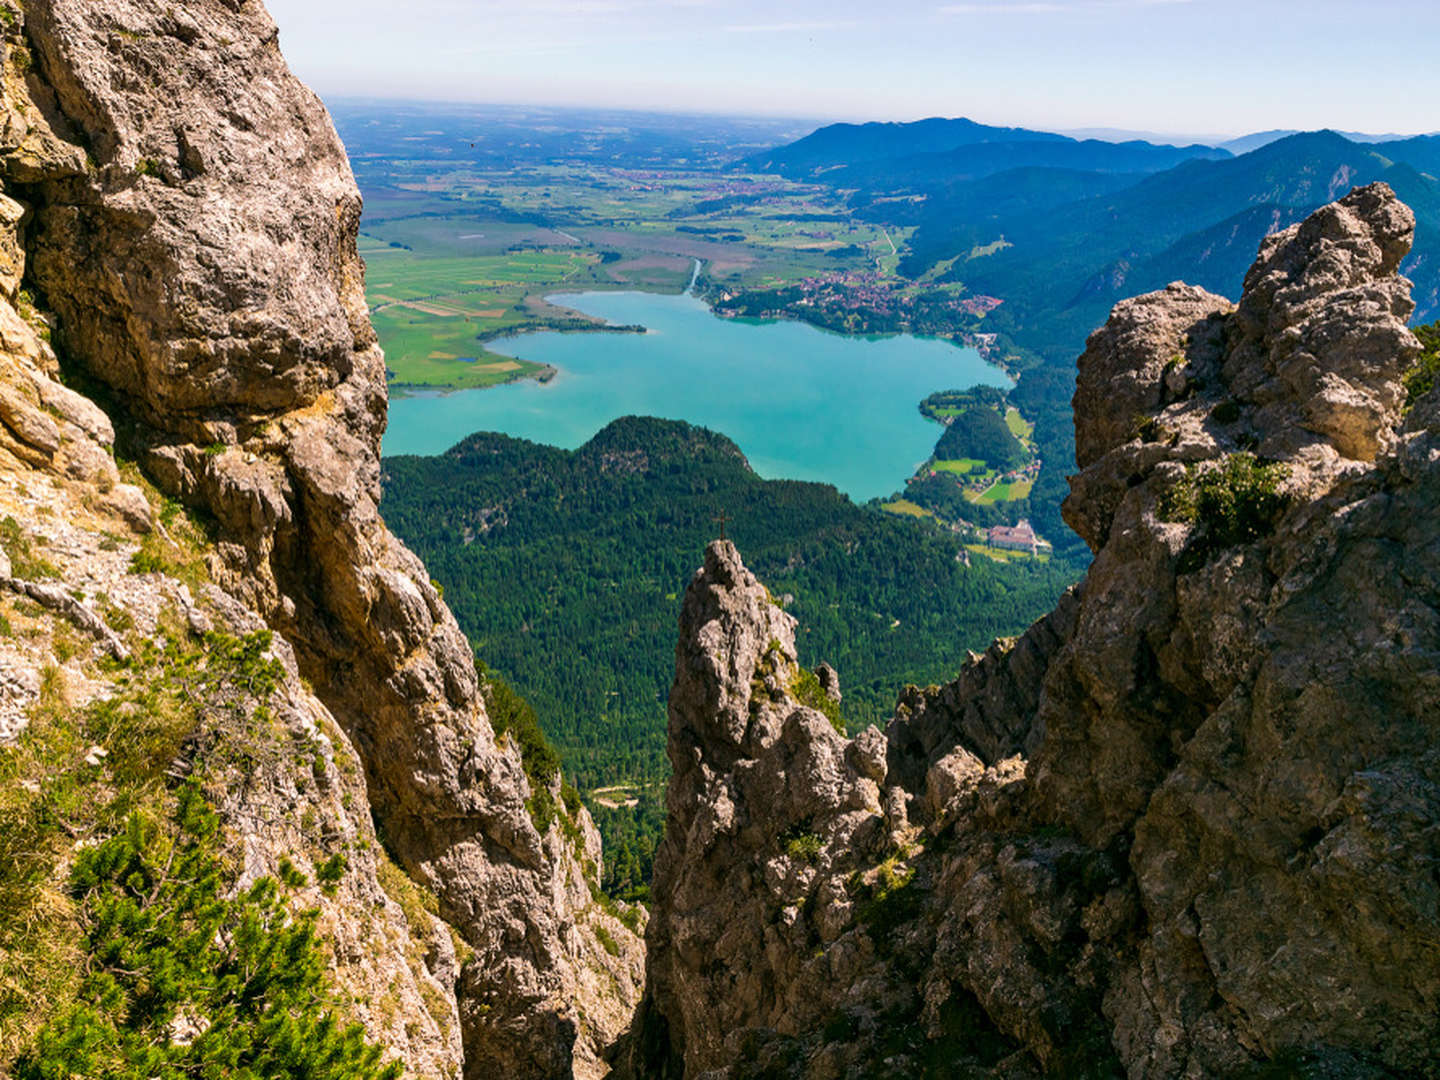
[850, 144]
[1236, 145]
[1067, 263]
[1421, 152]
[979, 160]
[938, 150]
[1245, 143]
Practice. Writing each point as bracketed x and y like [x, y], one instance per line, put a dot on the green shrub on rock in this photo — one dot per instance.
[181, 979]
[810, 693]
[512, 717]
[1236, 500]
[1419, 380]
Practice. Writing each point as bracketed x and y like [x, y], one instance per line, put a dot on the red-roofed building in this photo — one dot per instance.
[1019, 538]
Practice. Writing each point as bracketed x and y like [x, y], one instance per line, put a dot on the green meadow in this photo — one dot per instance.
[962, 467]
[1021, 428]
[434, 313]
[1002, 492]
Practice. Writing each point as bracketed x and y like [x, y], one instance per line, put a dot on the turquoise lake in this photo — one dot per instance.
[801, 403]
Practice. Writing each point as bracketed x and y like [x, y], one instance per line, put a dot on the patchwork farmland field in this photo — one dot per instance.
[458, 258]
[434, 312]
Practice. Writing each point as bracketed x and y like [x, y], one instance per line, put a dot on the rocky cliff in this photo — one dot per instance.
[177, 240]
[1189, 824]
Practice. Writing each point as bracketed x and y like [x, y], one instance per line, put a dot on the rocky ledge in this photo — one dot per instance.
[1188, 824]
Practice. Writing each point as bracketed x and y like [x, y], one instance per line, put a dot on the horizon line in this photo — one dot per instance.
[1212, 139]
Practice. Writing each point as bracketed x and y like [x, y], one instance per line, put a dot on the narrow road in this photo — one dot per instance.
[880, 262]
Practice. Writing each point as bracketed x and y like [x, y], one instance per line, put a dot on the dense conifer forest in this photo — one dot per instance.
[567, 570]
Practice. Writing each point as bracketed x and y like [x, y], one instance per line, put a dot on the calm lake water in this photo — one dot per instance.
[802, 404]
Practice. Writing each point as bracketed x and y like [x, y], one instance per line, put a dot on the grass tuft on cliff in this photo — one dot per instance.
[1234, 501]
[1420, 379]
[810, 693]
[512, 717]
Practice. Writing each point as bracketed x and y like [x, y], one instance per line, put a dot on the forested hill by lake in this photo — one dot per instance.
[565, 569]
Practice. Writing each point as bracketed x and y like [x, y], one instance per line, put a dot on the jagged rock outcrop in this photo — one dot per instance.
[182, 207]
[740, 742]
[1189, 823]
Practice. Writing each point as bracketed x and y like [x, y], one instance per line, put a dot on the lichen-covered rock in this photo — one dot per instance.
[1185, 825]
[183, 207]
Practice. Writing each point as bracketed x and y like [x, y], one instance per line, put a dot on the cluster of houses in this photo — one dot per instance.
[853, 290]
[980, 306]
[871, 291]
[984, 344]
[979, 483]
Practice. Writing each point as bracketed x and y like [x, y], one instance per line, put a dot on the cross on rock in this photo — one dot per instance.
[724, 519]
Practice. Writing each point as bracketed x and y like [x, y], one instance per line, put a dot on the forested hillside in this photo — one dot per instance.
[1132, 159]
[981, 433]
[566, 568]
[1202, 221]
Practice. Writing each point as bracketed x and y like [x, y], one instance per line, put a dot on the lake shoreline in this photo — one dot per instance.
[597, 327]
[803, 403]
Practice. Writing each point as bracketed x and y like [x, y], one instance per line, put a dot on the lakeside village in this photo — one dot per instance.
[867, 302]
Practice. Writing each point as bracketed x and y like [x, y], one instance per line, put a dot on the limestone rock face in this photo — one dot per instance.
[1188, 823]
[1321, 328]
[184, 209]
[754, 771]
[291, 788]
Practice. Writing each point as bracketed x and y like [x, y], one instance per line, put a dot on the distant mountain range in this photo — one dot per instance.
[1242, 145]
[1246, 143]
[901, 145]
[1088, 222]
[1070, 259]
[935, 150]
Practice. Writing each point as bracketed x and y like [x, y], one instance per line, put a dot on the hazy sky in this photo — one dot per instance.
[1190, 66]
